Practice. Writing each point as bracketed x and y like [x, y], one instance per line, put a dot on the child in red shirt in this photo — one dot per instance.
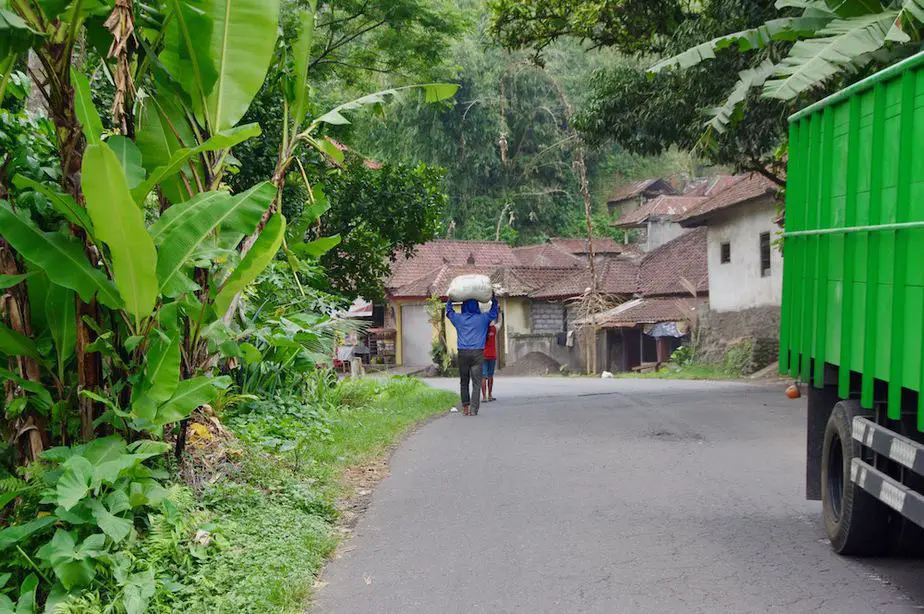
[489, 364]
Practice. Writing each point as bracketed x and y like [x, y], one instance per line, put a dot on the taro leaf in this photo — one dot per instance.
[104, 449]
[148, 446]
[73, 564]
[60, 256]
[26, 603]
[129, 157]
[115, 527]
[80, 514]
[119, 223]
[8, 281]
[242, 45]
[146, 492]
[117, 502]
[189, 395]
[254, 263]
[86, 112]
[74, 483]
[137, 593]
[251, 354]
[17, 533]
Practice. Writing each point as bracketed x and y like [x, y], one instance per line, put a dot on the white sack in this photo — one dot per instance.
[465, 287]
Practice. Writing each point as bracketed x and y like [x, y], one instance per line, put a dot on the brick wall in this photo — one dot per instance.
[546, 317]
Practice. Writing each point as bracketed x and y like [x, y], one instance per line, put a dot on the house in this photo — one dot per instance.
[540, 289]
[604, 247]
[671, 289]
[632, 196]
[745, 270]
[428, 272]
[656, 220]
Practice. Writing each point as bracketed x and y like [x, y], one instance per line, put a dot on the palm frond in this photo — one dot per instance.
[748, 79]
[839, 46]
[782, 29]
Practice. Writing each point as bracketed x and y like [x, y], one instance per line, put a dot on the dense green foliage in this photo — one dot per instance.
[128, 268]
[378, 212]
[732, 72]
[508, 145]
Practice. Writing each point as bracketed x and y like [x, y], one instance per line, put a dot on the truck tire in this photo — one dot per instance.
[857, 523]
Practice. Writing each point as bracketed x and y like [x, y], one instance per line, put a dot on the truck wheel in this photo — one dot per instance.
[857, 523]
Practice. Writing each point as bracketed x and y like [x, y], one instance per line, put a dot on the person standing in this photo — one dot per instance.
[472, 331]
[490, 362]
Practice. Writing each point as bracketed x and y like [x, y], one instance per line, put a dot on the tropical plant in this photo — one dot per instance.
[833, 39]
[127, 300]
[87, 503]
[121, 272]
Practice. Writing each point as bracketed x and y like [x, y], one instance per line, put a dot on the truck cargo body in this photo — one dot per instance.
[852, 321]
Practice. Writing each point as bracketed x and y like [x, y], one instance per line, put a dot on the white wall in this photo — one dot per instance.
[662, 231]
[738, 284]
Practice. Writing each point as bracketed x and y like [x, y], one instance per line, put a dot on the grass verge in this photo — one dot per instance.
[273, 515]
[687, 372]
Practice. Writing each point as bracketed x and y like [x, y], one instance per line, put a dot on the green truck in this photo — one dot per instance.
[852, 322]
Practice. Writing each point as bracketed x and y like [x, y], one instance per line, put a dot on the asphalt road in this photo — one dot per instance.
[586, 495]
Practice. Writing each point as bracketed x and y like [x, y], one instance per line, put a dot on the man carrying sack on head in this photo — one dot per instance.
[472, 331]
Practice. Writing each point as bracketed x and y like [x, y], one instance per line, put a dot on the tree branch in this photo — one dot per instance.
[760, 168]
[343, 41]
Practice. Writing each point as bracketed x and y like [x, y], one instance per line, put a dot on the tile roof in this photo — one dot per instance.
[429, 257]
[663, 269]
[744, 188]
[546, 255]
[639, 187]
[602, 245]
[616, 276]
[644, 311]
[662, 207]
[710, 186]
[524, 281]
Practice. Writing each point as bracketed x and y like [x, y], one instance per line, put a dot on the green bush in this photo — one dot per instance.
[739, 357]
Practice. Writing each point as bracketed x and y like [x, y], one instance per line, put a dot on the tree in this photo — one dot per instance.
[727, 96]
[378, 212]
[146, 254]
[649, 115]
[506, 144]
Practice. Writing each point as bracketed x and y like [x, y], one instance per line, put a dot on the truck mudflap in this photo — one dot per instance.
[910, 454]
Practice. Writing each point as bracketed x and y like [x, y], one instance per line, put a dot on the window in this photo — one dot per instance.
[765, 254]
[726, 253]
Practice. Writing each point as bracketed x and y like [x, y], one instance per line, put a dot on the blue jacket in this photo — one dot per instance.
[472, 325]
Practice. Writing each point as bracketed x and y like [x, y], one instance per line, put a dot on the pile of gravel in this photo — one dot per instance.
[534, 363]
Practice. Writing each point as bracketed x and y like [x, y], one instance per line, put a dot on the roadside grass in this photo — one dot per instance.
[274, 515]
[693, 371]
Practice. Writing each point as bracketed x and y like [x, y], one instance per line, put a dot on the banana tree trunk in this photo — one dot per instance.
[31, 432]
[56, 59]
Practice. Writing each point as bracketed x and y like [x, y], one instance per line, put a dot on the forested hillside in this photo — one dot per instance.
[506, 140]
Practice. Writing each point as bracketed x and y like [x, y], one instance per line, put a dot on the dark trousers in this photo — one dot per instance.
[470, 364]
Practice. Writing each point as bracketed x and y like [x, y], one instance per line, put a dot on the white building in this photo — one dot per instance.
[745, 266]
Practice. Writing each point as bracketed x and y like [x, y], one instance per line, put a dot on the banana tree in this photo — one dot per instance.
[117, 308]
[831, 39]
